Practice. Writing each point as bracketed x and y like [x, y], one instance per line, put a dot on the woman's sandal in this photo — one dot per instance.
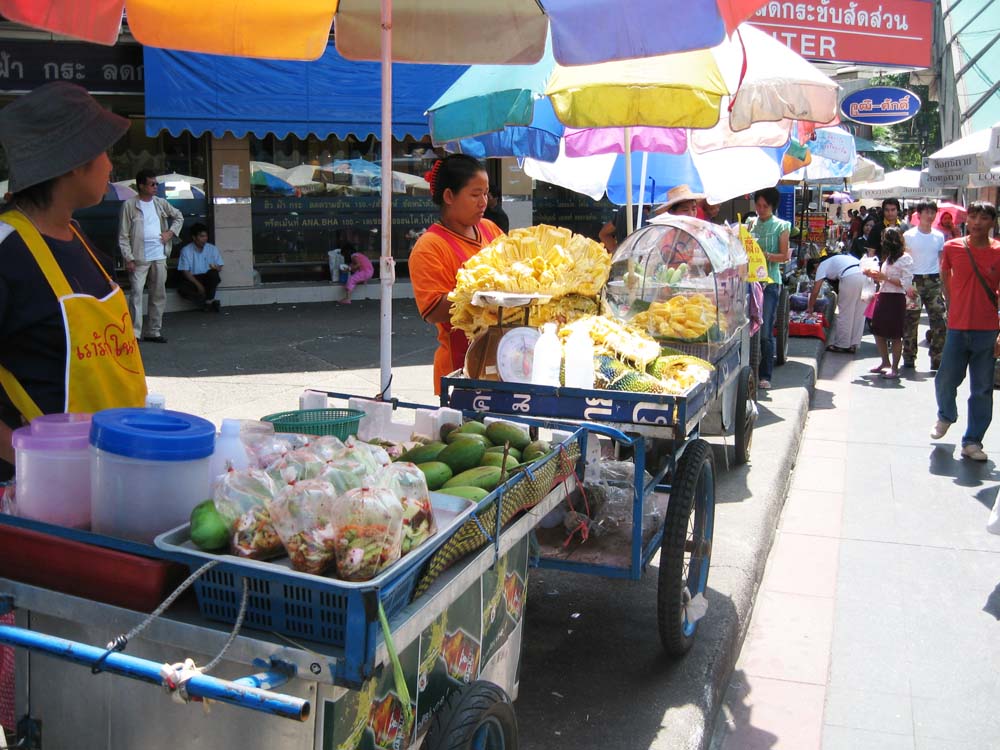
[879, 370]
[839, 349]
[891, 375]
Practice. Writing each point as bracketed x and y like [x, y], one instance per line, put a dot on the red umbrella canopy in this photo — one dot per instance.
[958, 214]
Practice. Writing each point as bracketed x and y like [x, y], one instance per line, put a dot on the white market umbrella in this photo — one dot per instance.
[977, 152]
[902, 183]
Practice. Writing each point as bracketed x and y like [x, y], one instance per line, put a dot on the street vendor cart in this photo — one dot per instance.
[426, 651]
[684, 282]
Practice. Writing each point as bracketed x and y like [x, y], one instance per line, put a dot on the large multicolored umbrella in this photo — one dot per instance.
[438, 31]
[527, 111]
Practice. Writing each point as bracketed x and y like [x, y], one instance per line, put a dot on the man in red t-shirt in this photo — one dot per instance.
[970, 283]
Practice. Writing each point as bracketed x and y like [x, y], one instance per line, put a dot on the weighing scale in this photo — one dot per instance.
[504, 352]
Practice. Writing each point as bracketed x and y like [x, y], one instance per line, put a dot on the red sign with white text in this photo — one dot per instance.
[891, 32]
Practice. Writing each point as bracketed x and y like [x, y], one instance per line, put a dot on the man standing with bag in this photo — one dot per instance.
[970, 282]
[146, 229]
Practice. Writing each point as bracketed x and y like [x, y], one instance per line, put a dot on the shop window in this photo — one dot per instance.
[311, 196]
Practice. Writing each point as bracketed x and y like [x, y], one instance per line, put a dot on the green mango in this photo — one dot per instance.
[209, 530]
[500, 433]
[436, 473]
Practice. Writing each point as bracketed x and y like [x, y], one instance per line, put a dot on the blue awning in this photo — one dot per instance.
[330, 96]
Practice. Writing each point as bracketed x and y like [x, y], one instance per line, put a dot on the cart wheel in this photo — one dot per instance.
[687, 545]
[480, 716]
[755, 360]
[831, 309]
[745, 416]
[781, 324]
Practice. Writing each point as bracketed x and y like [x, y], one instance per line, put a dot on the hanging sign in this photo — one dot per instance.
[880, 32]
[880, 105]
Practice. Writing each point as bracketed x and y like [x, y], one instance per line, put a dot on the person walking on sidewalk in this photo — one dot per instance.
[970, 282]
[771, 234]
[889, 317]
[924, 244]
[147, 226]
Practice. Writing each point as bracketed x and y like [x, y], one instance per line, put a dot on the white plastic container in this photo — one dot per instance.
[230, 452]
[148, 469]
[579, 360]
[52, 465]
[547, 359]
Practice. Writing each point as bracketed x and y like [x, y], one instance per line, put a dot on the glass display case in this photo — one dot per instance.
[682, 280]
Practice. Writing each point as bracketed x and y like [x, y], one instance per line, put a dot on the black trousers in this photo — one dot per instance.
[210, 280]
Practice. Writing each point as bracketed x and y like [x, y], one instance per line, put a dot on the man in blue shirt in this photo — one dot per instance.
[199, 266]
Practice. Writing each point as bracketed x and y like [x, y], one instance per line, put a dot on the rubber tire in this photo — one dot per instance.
[696, 468]
[781, 318]
[477, 705]
[743, 432]
[755, 360]
[831, 307]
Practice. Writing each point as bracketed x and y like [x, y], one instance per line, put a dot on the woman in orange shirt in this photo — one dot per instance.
[460, 186]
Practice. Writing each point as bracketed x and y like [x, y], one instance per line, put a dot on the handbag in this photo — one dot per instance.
[986, 287]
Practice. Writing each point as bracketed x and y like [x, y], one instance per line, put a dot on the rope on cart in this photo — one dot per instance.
[118, 643]
[583, 527]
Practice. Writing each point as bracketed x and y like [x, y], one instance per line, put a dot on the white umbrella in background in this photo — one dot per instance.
[865, 170]
[977, 152]
[903, 183]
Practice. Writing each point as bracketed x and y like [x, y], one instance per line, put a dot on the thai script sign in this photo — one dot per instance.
[833, 144]
[981, 155]
[880, 105]
[25, 65]
[890, 32]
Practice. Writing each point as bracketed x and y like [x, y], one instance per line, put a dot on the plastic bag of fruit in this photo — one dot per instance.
[301, 514]
[296, 466]
[243, 498]
[265, 449]
[369, 532]
[409, 485]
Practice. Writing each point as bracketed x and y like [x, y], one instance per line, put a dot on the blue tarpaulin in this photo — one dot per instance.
[330, 96]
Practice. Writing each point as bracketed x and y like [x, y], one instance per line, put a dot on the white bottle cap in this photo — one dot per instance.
[230, 427]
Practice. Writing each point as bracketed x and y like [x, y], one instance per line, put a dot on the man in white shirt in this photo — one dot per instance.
[850, 322]
[199, 266]
[146, 229]
[924, 244]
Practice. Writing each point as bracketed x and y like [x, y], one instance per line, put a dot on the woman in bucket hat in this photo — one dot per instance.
[66, 339]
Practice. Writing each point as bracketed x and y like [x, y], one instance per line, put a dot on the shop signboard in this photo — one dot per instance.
[880, 105]
[25, 65]
[882, 32]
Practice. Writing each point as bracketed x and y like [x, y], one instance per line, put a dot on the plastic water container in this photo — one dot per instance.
[547, 359]
[52, 464]
[148, 469]
[579, 360]
[230, 452]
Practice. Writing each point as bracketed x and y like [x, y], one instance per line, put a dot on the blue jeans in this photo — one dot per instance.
[972, 350]
[767, 342]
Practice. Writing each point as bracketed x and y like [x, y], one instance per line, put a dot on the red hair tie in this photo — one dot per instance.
[431, 175]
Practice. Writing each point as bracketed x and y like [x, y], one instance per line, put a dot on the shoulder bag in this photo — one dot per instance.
[986, 287]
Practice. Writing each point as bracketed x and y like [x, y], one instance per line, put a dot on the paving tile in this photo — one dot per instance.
[870, 573]
[849, 738]
[869, 647]
[789, 638]
[802, 564]
[774, 714]
[958, 714]
[869, 710]
[815, 448]
[934, 743]
[821, 474]
[812, 512]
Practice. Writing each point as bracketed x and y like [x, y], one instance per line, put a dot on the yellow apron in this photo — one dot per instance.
[103, 365]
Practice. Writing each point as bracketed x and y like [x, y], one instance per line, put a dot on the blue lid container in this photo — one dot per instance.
[152, 434]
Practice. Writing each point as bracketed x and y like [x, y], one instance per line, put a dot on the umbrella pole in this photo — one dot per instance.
[629, 224]
[642, 187]
[387, 271]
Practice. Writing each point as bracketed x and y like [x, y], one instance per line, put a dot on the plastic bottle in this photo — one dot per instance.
[229, 450]
[156, 401]
[547, 360]
[579, 360]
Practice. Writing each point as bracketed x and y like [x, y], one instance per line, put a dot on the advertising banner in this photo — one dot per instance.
[882, 32]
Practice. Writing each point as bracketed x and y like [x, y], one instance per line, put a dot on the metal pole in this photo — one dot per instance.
[387, 273]
[199, 686]
[642, 187]
[629, 224]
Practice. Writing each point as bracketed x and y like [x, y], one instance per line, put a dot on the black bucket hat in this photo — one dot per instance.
[53, 130]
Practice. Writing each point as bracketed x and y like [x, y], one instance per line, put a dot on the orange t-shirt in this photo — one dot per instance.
[433, 266]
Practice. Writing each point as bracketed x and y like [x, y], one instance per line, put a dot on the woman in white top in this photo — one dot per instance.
[889, 318]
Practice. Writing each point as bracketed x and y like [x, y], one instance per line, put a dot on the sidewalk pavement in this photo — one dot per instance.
[591, 647]
[876, 625]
